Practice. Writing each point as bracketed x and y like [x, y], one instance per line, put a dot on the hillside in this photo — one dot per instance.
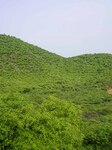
[20, 57]
[29, 76]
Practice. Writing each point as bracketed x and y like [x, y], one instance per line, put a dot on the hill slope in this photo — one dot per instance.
[18, 56]
[32, 73]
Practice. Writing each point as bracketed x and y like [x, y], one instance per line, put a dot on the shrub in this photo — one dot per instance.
[55, 124]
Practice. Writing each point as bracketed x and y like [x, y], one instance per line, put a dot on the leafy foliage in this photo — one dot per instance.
[30, 119]
[54, 124]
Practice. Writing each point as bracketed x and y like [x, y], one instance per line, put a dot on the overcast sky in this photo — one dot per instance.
[65, 27]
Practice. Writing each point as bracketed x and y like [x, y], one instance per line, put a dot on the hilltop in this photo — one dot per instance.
[29, 75]
[19, 56]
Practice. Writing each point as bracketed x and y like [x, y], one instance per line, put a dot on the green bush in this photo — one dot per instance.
[98, 137]
[55, 124]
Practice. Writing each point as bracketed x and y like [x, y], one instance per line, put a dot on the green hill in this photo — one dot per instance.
[39, 89]
[20, 57]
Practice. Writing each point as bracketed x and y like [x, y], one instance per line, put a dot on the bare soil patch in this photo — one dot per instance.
[109, 91]
[90, 115]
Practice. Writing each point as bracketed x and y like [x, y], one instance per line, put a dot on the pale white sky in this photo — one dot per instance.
[65, 27]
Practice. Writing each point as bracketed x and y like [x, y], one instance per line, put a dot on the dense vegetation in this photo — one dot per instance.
[49, 102]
